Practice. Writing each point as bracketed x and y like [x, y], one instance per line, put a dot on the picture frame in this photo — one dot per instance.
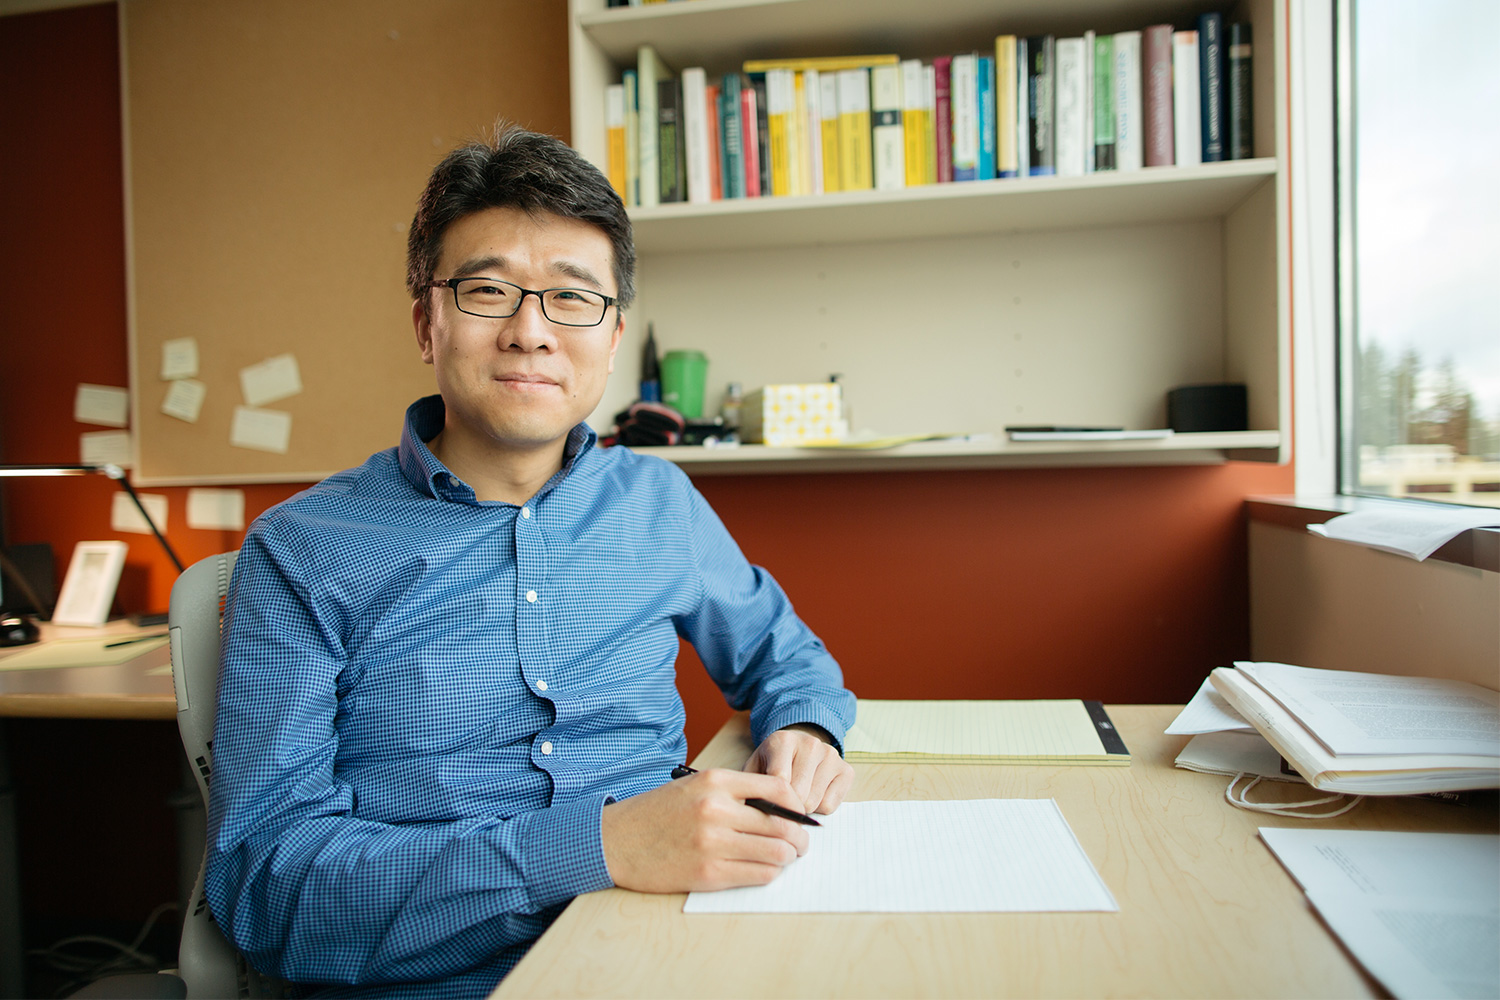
[88, 590]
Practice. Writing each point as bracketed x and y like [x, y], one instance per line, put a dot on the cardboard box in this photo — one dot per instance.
[792, 414]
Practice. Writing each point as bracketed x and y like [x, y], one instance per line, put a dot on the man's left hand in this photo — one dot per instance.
[802, 755]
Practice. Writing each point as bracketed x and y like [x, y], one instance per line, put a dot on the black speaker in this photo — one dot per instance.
[1220, 406]
[35, 564]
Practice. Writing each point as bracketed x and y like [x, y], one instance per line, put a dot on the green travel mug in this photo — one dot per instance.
[683, 375]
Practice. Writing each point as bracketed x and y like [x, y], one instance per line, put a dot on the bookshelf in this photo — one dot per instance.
[961, 308]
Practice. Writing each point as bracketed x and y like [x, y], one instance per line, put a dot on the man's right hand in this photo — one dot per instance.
[696, 833]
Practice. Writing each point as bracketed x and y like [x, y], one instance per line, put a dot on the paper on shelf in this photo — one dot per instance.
[963, 856]
[1141, 435]
[1415, 530]
[1418, 910]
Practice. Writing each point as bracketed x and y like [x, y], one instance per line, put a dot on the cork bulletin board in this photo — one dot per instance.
[274, 153]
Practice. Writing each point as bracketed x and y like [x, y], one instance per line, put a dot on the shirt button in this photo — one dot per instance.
[526, 513]
[546, 748]
[541, 685]
[530, 597]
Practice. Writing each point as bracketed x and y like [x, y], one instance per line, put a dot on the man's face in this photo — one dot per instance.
[518, 384]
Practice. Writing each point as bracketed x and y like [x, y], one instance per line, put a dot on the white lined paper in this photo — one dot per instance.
[961, 856]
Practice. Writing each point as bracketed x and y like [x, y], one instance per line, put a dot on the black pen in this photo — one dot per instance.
[139, 638]
[764, 805]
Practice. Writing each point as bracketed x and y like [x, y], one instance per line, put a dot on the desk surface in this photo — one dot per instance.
[140, 688]
[1205, 909]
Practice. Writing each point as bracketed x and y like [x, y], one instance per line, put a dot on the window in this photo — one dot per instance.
[1419, 268]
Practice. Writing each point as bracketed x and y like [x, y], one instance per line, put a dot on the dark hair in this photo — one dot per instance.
[525, 170]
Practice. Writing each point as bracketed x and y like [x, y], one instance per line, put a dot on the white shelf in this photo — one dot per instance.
[1098, 293]
[720, 34]
[1018, 205]
[1179, 449]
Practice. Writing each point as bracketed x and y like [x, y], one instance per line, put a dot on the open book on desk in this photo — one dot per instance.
[984, 732]
[1371, 734]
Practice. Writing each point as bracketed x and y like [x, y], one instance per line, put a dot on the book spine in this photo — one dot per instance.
[733, 137]
[714, 116]
[812, 129]
[965, 118]
[1071, 134]
[1187, 141]
[693, 115]
[1129, 142]
[798, 165]
[1156, 69]
[1211, 84]
[1022, 124]
[650, 71]
[1240, 110]
[1042, 102]
[942, 115]
[750, 136]
[1005, 105]
[914, 121]
[929, 138]
[632, 139]
[984, 79]
[887, 134]
[778, 115]
[828, 108]
[854, 130]
[614, 134]
[762, 133]
[1104, 102]
[670, 152]
[1088, 102]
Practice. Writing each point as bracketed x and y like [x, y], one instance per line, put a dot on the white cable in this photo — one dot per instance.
[1294, 810]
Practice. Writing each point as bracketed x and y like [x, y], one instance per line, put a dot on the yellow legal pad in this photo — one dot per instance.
[984, 732]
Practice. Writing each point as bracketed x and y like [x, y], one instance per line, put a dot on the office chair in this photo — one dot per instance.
[209, 966]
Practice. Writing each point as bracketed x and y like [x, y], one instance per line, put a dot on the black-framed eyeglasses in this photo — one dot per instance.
[496, 299]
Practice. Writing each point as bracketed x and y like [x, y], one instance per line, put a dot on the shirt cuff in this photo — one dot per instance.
[809, 712]
[566, 855]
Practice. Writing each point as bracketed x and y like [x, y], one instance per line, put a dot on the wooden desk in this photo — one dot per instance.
[140, 688]
[1205, 909]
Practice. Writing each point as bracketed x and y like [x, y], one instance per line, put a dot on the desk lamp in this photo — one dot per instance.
[16, 628]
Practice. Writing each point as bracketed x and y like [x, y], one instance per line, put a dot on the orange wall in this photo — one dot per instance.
[1119, 584]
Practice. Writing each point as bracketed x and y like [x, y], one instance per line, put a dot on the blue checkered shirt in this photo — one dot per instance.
[425, 701]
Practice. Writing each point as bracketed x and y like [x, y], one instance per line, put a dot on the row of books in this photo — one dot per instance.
[1038, 106]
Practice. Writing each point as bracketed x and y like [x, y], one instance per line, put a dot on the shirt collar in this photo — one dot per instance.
[424, 421]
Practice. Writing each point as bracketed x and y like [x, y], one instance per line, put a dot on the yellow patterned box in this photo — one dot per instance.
[793, 414]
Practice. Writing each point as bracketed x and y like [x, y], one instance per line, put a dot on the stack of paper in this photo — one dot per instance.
[1371, 734]
[984, 732]
[1419, 910]
[1223, 742]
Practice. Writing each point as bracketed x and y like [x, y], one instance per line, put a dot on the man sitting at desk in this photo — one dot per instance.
[447, 701]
